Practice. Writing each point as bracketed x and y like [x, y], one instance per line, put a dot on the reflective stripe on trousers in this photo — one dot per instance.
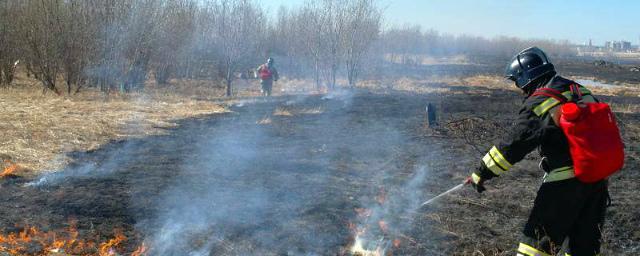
[527, 250]
[562, 173]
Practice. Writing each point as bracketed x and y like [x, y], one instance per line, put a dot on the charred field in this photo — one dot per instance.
[303, 175]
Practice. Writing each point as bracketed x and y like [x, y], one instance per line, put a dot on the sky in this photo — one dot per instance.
[573, 20]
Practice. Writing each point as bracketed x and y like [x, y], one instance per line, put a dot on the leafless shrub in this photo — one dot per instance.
[117, 45]
[8, 44]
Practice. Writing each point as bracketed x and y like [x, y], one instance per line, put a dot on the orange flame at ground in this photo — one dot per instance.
[31, 241]
[362, 244]
[9, 169]
[108, 248]
[140, 251]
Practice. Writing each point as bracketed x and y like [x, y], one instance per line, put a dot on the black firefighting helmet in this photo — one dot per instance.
[528, 66]
[270, 61]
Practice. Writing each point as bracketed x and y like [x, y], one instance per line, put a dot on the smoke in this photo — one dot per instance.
[229, 191]
[289, 187]
[247, 190]
[104, 165]
[103, 162]
[394, 212]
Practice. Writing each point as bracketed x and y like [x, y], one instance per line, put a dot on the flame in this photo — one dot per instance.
[9, 169]
[108, 248]
[141, 250]
[363, 245]
[358, 249]
[67, 242]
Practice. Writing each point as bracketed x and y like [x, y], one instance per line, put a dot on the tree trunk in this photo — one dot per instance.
[317, 75]
[334, 70]
[229, 73]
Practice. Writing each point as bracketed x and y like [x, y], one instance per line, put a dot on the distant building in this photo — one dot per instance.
[618, 46]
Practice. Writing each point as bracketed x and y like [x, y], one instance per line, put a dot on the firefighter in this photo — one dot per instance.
[564, 208]
[267, 74]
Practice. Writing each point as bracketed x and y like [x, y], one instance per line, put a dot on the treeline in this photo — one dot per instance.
[410, 44]
[120, 44]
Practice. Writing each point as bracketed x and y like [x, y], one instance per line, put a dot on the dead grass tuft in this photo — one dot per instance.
[282, 111]
[264, 121]
[310, 111]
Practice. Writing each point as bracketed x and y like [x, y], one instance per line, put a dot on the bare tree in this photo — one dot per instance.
[334, 16]
[8, 45]
[362, 28]
[239, 26]
[40, 23]
[176, 29]
[118, 44]
[309, 31]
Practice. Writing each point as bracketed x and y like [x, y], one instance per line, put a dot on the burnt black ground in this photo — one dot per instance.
[245, 186]
[285, 187]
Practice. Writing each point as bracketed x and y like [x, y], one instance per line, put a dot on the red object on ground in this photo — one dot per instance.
[594, 139]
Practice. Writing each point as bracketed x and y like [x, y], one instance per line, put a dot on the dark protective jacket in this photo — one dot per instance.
[534, 128]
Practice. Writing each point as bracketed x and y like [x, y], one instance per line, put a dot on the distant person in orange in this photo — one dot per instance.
[267, 74]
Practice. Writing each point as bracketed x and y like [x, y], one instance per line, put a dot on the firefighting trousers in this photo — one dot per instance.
[567, 209]
[266, 85]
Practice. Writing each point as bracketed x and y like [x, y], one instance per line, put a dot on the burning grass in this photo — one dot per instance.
[380, 224]
[9, 170]
[32, 241]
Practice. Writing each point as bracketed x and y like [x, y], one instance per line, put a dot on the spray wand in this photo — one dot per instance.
[451, 190]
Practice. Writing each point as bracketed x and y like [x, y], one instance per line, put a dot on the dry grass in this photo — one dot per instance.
[38, 129]
[310, 111]
[282, 111]
[457, 84]
[290, 111]
[440, 84]
[264, 121]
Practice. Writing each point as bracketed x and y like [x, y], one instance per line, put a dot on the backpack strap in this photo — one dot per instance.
[575, 93]
[554, 97]
[553, 93]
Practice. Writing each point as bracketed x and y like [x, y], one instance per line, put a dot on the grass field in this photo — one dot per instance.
[297, 174]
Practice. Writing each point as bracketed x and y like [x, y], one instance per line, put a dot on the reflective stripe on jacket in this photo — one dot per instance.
[534, 128]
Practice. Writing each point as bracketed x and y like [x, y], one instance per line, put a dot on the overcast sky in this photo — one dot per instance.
[574, 20]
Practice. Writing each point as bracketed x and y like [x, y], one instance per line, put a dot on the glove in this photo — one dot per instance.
[477, 182]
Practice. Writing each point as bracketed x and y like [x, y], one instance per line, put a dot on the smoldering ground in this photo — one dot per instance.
[231, 185]
[242, 197]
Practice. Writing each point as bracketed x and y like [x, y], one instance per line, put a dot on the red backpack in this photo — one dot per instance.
[265, 72]
[594, 139]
